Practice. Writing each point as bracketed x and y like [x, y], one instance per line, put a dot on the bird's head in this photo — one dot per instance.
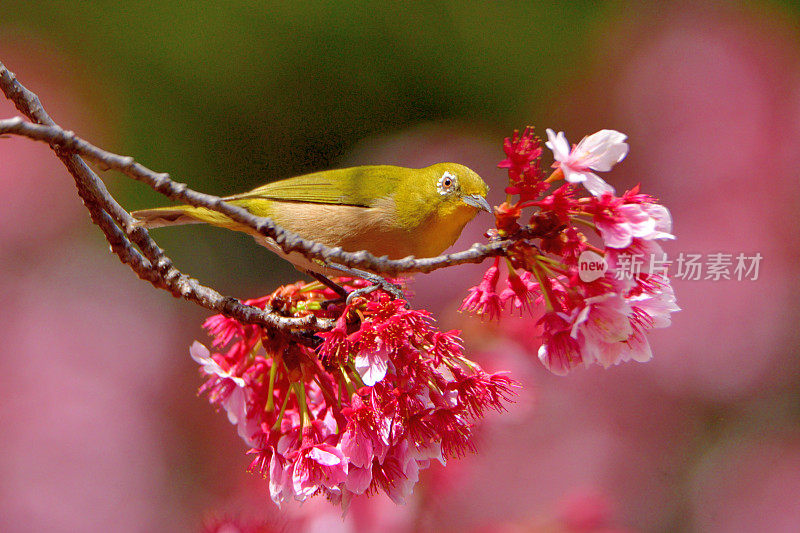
[455, 188]
[436, 202]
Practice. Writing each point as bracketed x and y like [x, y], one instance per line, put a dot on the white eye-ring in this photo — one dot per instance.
[446, 183]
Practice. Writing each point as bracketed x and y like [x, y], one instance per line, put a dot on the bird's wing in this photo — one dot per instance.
[357, 186]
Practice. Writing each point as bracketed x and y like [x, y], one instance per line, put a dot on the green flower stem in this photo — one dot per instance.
[273, 372]
[544, 284]
[300, 392]
[587, 223]
[355, 375]
[551, 261]
[277, 425]
[348, 383]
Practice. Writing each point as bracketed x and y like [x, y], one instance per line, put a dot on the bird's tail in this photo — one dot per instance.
[179, 215]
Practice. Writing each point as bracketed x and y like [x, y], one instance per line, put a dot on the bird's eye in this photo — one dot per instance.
[446, 183]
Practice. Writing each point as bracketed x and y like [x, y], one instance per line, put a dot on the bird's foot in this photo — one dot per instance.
[378, 282]
[387, 286]
[363, 291]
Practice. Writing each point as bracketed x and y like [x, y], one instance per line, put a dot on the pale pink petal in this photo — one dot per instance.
[642, 224]
[596, 186]
[358, 479]
[279, 482]
[288, 443]
[658, 307]
[602, 150]
[557, 365]
[324, 457]
[302, 484]
[611, 354]
[235, 406]
[558, 144]
[575, 174]
[663, 221]
[358, 449]
[615, 234]
[639, 349]
[608, 319]
[202, 356]
[329, 422]
[599, 140]
[580, 318]
[591, 351]
[248, 429]
[403, 487]
[372, 366]
[432, 451]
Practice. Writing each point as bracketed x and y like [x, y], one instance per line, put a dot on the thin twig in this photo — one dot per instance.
[150, 263]
[289, 241]
[118, 226]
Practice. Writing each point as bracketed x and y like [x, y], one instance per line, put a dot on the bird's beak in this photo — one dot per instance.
[476, 200]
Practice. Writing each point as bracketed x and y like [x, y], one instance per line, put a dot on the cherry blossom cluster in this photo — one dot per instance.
[565, 264]
[383, 394]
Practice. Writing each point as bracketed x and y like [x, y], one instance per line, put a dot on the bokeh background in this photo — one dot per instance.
[100, 427]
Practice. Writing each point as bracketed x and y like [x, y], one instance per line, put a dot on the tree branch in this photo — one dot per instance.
[287, 240]
[152, 265]
[120, 231]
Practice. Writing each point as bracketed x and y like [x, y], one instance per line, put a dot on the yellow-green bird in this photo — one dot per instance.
[383, 209]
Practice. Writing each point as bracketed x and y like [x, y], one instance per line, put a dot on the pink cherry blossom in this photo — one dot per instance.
[620, 224]
[372, 365]
[229, 391]
[560, 351]
[209, 366]
[318, 465]
[365, 411]
[599, 151]
[601, 319]
[402, 458]
[483, 298]
[658, 307]
[367, 434]
[520, 292]
[605, 330]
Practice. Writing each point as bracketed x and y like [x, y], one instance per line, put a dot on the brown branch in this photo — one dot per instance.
[289, 241]
[118, 227]
[152, 265]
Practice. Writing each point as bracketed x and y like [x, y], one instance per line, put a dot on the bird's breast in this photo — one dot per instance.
[442, 229]
[375, 229]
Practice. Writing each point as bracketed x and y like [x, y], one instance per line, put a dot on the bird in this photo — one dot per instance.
[386, 210]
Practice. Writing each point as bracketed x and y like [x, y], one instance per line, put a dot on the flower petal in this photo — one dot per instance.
[358, 479]
[641, 223]
[615, 234]
[558, 144]
[663, 220]
[596, 186]
[372, 366]
[324, 457]
[600, 151]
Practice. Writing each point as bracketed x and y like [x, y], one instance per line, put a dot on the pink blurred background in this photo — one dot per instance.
[102, 431]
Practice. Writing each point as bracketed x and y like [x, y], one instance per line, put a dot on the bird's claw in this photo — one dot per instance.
[394, 290]
[387, 286]
[378, 282]
[360, 292]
